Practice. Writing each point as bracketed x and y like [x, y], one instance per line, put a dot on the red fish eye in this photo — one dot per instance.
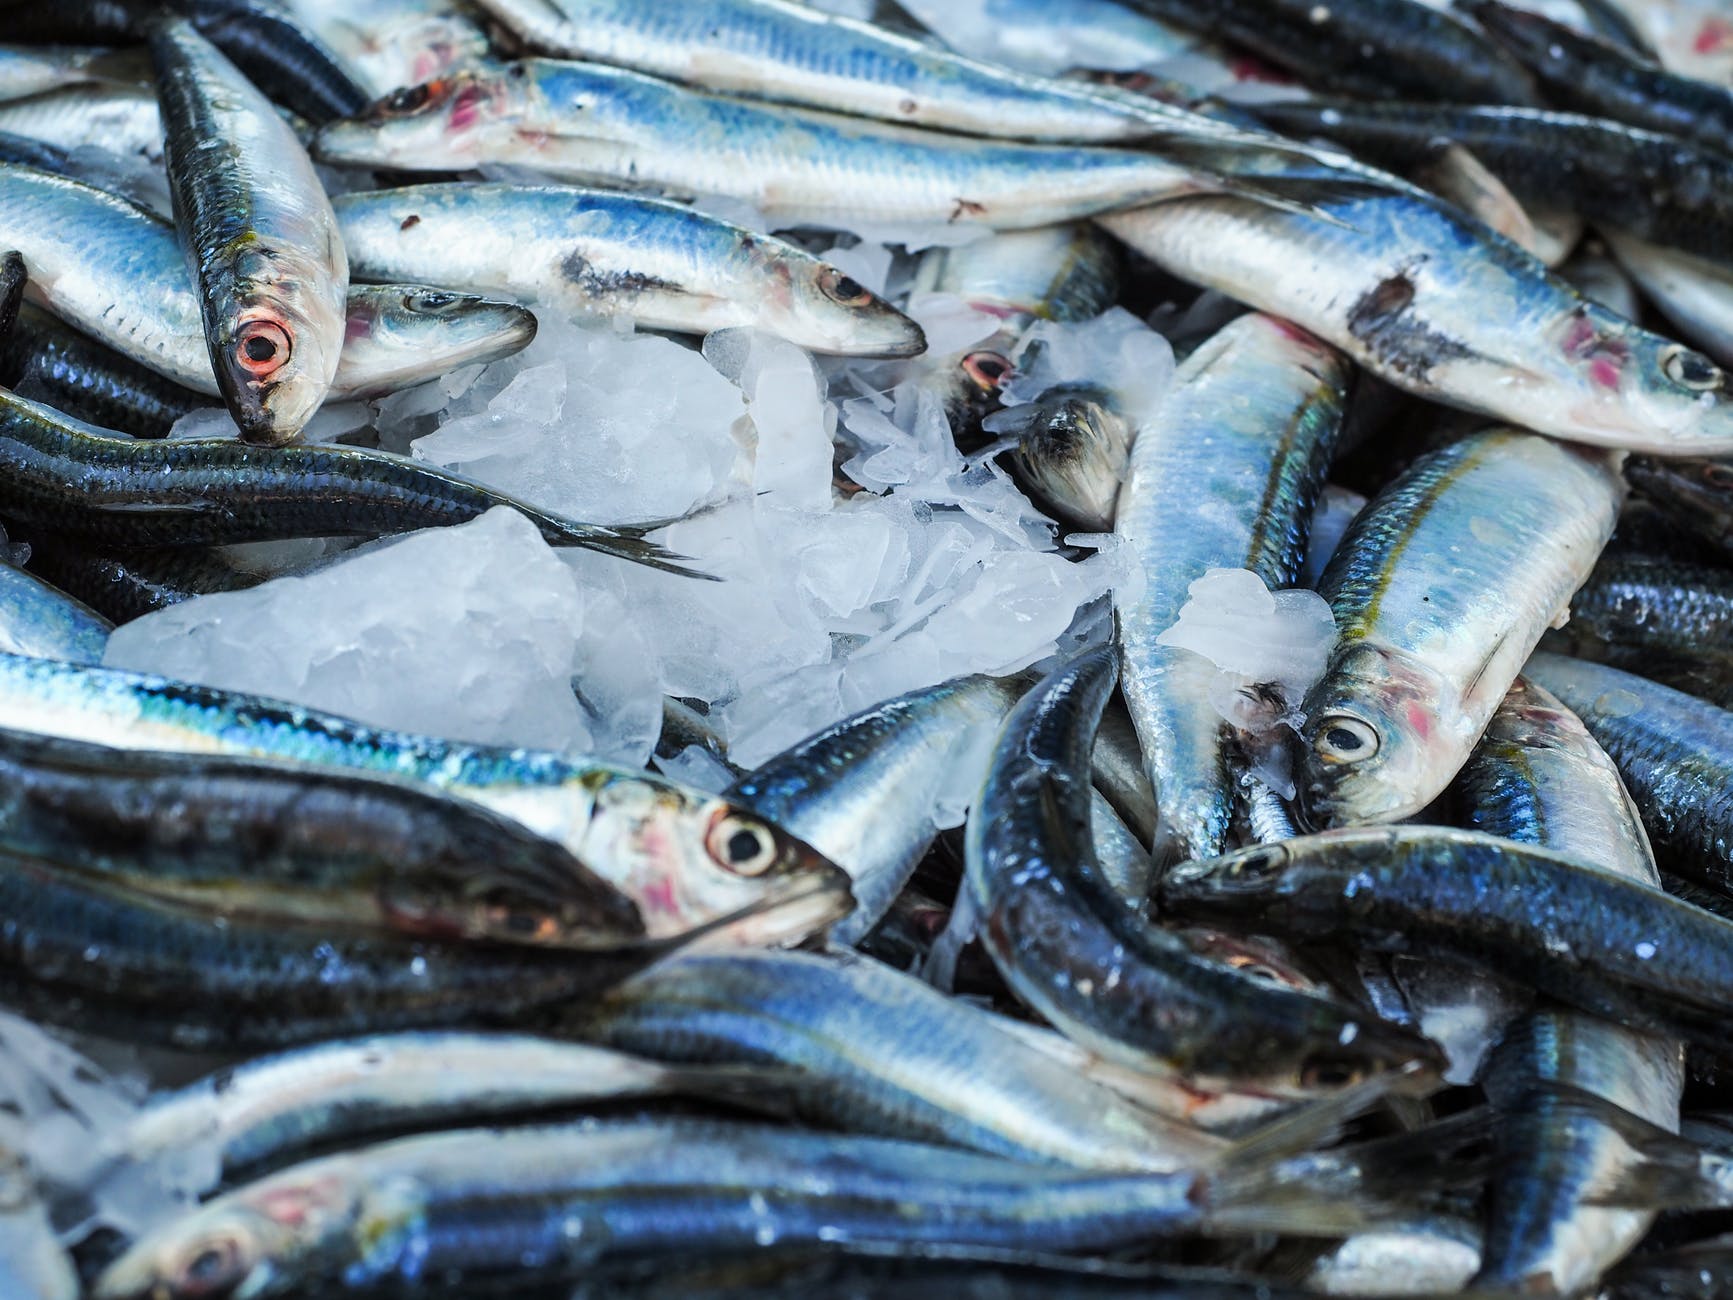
[988, 369]
[262, 348]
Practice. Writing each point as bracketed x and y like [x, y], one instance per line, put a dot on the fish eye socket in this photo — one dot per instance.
[433, 301]
[843, 289]
[743, 845]
[521, 924]
[1719, 474]
[262, 348]
[214, 1267]
[1691, 370]
[1256, 969]
[1326, 1072]
[1344, 739]
[411, 99]
[988, 369]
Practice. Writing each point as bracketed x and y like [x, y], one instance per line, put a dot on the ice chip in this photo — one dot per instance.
[951, 325]
[1337, 508]
[1115, 351]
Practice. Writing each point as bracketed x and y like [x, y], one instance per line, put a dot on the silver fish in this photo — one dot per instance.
[594, 253]
[1441, 588]
[259, 234]
[1438, 306]
[38, 620]
[1224, 478]
[30, 69]
[1695, 293]
[398, 335]
[118, 118]
[385, 44]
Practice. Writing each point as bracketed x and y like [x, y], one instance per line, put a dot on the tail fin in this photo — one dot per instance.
[626, 543]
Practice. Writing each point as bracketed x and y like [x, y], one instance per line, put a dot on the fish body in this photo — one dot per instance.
[396, 336]
[122, 586]
[119, 118]
[38, 620]
[387, 44]
[259, 234]
[1695, 494]
[877, 1051]
[48, 361]
[1074, 950]
[1442, 308]
[594, 253]
[27, 70]
[1694, 293]
[1440, 589]
[866, 792]
[670, 849]
[1071, 454]
[589, 123]
[1674, 752]
[1224, 477]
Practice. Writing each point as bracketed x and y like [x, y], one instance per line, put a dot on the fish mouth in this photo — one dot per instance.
[791, 910]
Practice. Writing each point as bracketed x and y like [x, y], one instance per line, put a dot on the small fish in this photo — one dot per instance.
[1440, 589]
[1694, 293]
[396, 336]
[683, 857]
[27, 70]
[1069, 450]
[1696, 495]
[1269, 400]
[1429, 302]
[592, 253]
[1072, 949]
[1579, 933]
[867, 792]
[119, 118]
[48, 361]
[123, 585]
[259, 235]
[385, 44]
[36, 619]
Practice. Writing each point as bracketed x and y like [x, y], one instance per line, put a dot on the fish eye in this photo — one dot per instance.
[214, 1267]
[262, 348]
[520, 924]
[411, 99]
[1328, 1072]
[1256, 969]
[1342, 738]
[1691, 369]
[843, 289]
[988, 369]
[1719, 474]
[433, 300]
[742, 844]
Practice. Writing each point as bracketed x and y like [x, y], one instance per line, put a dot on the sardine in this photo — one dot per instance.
[259, 234]
[120, 119]
[1579, 933]
[252, 838]
[1072, 949]
[48, 361]
[30, 69]
[1447, 311]
[1441, 588]
[592, 253]
[122, 586]
[876, 1051]
[1070, 452]
[38, 620]
[593, 124]
[1224, 477]
[1124, 862]
[398, 335]
[1694, 494]
[105, 487]
[1674, 751]
[867, 792]
[682, 856]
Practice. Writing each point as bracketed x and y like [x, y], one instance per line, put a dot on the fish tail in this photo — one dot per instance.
[624, 543]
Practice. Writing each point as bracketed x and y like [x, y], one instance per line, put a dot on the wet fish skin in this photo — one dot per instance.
[1694, 293]
[665, 846]
[1443, 309]
[122, 586]
[1072, 949]
[1070, 454]
[399, 335]
[1440, 589]
[1116, 766]
[1590, 938]
[1674, 751]
[385, 44]
[120, 119]
[1695, 493]
[27, 70]
[1590, 75]
[48, 361]
[1659, 187]
[245, 837]
[91, 483]
[1269, 399]
[259, 236]
[593, 124]
[597, 253]
[38, 620]
[12, 281]
[880, 1052]
[863, 791]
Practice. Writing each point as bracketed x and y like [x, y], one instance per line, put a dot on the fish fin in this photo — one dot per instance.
[622, 543]
[1315, 1124]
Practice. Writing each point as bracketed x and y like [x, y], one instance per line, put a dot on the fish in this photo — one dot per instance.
[1591, 75]
[593, 124]
[1440, 589]
[48, 361]
[1430, 303]
[1689, 37]
[13, 278]
[682, 856]
[386, 44]
[27, 70]
[1434, 1254]
[1124, 861]
[123, 585]
[106, 487]
[1074, 951]
[876, 1051]
[1672, 750]
[1694, 494]
[1369, 47]
[259, 235]
[1055, 36]
[594, 253]
[554, 1205]
[1116, 767]
[38, 620]
[1657, 186]
[1694, 293]
[261, 839]
[266, 1110]
[1069, 450]
[1581, 934]
[118, 118]
[1269, 399]
[871, 792]
[396, 336]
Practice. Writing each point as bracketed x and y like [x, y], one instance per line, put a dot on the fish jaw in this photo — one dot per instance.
[829, 312]
[398, 335]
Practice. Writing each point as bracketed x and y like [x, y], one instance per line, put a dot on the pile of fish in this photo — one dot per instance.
[732, 647]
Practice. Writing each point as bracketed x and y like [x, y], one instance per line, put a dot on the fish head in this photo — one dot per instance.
[244, 1244]
[1374, 739]
[441, 125]
[401, 334]
[1700, 489]
[1072, 451]
[688, 859]
[820, 307]
[273, 355]
[1638, 389]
